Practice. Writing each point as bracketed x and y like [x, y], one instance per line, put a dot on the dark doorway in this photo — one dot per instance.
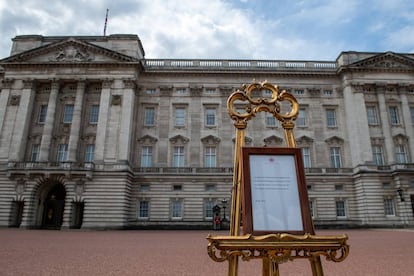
[77, 215]
[53, 207]
[16, 213]
[412, 203]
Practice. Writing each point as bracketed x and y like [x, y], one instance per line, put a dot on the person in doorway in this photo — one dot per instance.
[217, 222]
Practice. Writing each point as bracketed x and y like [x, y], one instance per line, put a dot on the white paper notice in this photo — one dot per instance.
[275, 196]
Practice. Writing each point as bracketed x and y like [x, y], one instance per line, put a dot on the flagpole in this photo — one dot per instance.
[106, 21]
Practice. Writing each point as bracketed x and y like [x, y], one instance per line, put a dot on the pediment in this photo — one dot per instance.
[387, 61]
[273, 140]
[304, 140]
[334, 140]
[210, 139]
[147, 139]
[179, 139]
[70, 50]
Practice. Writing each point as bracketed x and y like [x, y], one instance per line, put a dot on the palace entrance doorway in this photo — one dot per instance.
[54, 205]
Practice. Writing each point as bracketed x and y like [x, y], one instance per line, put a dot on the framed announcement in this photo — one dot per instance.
[275, 198]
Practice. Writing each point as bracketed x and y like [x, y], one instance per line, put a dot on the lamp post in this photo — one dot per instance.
[224, 202]
[401, 194]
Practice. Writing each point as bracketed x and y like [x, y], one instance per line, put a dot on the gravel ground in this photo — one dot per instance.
[78, 252]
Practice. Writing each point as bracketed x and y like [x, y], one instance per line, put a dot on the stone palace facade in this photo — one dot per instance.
[94, 135]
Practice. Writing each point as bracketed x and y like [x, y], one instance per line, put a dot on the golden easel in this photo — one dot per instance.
[277, 248]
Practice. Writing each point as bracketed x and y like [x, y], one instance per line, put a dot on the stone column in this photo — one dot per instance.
[408, 124]
[383, 110]
[76, 123]
[49, 123]
[102, 122]
[22, 124]
[357, 125]
[127, 115]
[4, 99]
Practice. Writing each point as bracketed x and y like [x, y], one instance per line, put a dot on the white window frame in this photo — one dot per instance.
[340, 209]
[394, 115]
[177, 209]
[94, 114]
[210, 157]
[335, 157]
[401, 154]
[389, 207]
[143, 209]
[372, 115]
[301, 120]
[180, 116]
[89, 153]
[306, 155]
[208, 209]
[378, 155]
[149, 116]
[210, 116]
[146, 156]
[271, 120]
[178, 156]
[331, 117]
[68, 113]
[35, 154]
[62, 153]
[42, 114]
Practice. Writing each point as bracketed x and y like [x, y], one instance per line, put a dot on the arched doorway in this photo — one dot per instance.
[54, 205]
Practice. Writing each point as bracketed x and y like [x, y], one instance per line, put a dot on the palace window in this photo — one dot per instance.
[401, 155]
[340, 208]
[35, 153]
[307, 163]
[149, 116]
[42, 114]
[270, 120]
[62, 152]
[143, 209]
[378, 155]
[210, 157]
[89, 153]
[178, 156]
[372, 115]
[146, 156]
[68, 113]
[394, 117]
[180, 116]
[208, 209]
[210, 116]
[335, 154]
[301, 120]
[412, 114]
[331, 117]
[94, 114]
[177, 209]
[389, 207]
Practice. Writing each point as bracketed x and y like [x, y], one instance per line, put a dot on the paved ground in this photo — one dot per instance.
[45, 252]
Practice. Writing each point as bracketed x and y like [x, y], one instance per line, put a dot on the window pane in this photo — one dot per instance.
[149, 116]
[301, 120]
[340, 208]
[178, 157]
[146, 156]
[336, 157]
[372, 115]
[89, 153]
[176, 209]
[62, 154]
[306, 157]
[208, 209]
[412, 115]
[270, 120]
[389, 206]
[210, 157]
[94, 115]
[35, 153]
[180, 116]
[331, 117]
[401, 154]
[378, 155]
[143, 209]
[394, 119]
[68, 113]
[210, 116]
[42, 113]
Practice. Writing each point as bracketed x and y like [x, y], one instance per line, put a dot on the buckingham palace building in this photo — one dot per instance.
[95, 136]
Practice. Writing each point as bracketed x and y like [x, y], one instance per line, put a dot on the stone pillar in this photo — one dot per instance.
[4, 99]
[357, 125]
[127, 116]
[408, 124]
[22, 123]
[76, 123]
[49, 123]
[383, 110]
[102, 122]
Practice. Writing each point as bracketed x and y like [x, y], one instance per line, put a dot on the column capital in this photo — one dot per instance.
[107, 83]
[8, 83]
[28, 84]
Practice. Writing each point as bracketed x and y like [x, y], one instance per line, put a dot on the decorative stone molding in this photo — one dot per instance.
[210, 140]
[304, 141]
[130, 84]
[106, 84]
[7, 83]
[166, 91]
[147, 139]
[28, 84]
[179, 139]
[116, 100]
[334, 140]
[273, 140]
[314, 92]
[14, 100]
[196, 91]
[72, 53]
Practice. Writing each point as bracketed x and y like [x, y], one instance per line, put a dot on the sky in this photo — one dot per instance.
[223, 29]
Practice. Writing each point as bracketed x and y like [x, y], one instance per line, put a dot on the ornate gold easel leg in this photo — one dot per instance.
[270, 268]
[316, 266]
